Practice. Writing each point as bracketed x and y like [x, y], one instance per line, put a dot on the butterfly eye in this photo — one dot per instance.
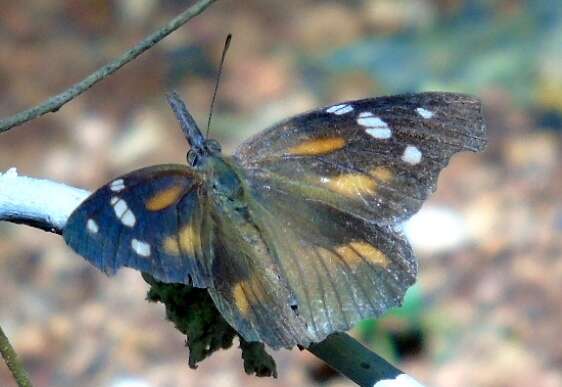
[192, 158]
[213, 146]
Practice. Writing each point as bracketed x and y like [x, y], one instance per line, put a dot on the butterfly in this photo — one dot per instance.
[297, 234]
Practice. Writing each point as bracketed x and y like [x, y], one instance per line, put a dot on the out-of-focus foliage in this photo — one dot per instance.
[477, 47]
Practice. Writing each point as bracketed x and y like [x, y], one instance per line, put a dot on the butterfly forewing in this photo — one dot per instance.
[376, 158]
[149, 220]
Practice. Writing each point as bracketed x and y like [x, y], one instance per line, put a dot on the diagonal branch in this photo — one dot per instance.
[14, 364]
[48, 210]
[55, 102]
[350, 358]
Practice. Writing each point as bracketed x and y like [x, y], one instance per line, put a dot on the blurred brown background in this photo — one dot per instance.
[487, 310]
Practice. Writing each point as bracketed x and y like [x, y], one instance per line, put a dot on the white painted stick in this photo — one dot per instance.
[401, 380]
[38, 202]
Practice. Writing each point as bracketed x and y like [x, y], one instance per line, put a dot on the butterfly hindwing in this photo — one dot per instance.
[298, 271]
[339, 268]
[377, 158]
[250, 291]
[149, 220]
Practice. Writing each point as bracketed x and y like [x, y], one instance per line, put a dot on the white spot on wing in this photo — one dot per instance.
[332, 109]
[375, 127]
[140, 247]
[412, 155]
[128, 218]
[344, 110]
[123, 212]
[427, 114]
[380, 133]
[340, 109]
[92, 226]
[119, 206]
[117, 185]
[371, 122]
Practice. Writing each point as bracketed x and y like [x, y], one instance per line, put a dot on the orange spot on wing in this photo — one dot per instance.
[182, 243]
[352, 185]
[382, 174]
[240, 298]
[246, 293]
[165, 198]
[317, 146]
[355, 253]
[356, 184]
[187, 237]
[171, 246]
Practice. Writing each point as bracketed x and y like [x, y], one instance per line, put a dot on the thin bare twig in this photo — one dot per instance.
[55, 102]
[12, 361]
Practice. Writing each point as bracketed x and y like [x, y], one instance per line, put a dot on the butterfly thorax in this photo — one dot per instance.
[221, 180]
[229, 212]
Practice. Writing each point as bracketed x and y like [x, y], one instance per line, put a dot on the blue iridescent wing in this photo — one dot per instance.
[149, 220]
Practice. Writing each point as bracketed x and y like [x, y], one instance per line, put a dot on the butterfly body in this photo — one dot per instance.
[296, 235]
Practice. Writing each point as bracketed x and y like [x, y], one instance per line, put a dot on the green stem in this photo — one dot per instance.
[55, 102]
[353, 360]
[14, 365]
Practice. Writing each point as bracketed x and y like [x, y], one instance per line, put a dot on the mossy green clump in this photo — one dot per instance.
[256, 360]
[194, 314]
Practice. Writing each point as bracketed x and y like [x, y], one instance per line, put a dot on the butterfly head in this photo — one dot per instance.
[201, 148]
[197, 155]
[203, 157]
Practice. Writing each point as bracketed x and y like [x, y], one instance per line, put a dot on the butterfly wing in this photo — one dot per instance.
[249, 289]
[341, 268]
[326, 190]
[150, 220]
[375, 158]
[298, 271]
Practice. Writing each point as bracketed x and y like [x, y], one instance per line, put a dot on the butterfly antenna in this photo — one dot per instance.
[224, 50]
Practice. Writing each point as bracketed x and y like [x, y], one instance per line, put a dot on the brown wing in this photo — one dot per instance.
[376, 158]
[341, 268]
[248, 288]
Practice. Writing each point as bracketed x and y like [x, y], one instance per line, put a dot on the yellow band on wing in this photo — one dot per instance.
[164, 199]
[317, 146]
